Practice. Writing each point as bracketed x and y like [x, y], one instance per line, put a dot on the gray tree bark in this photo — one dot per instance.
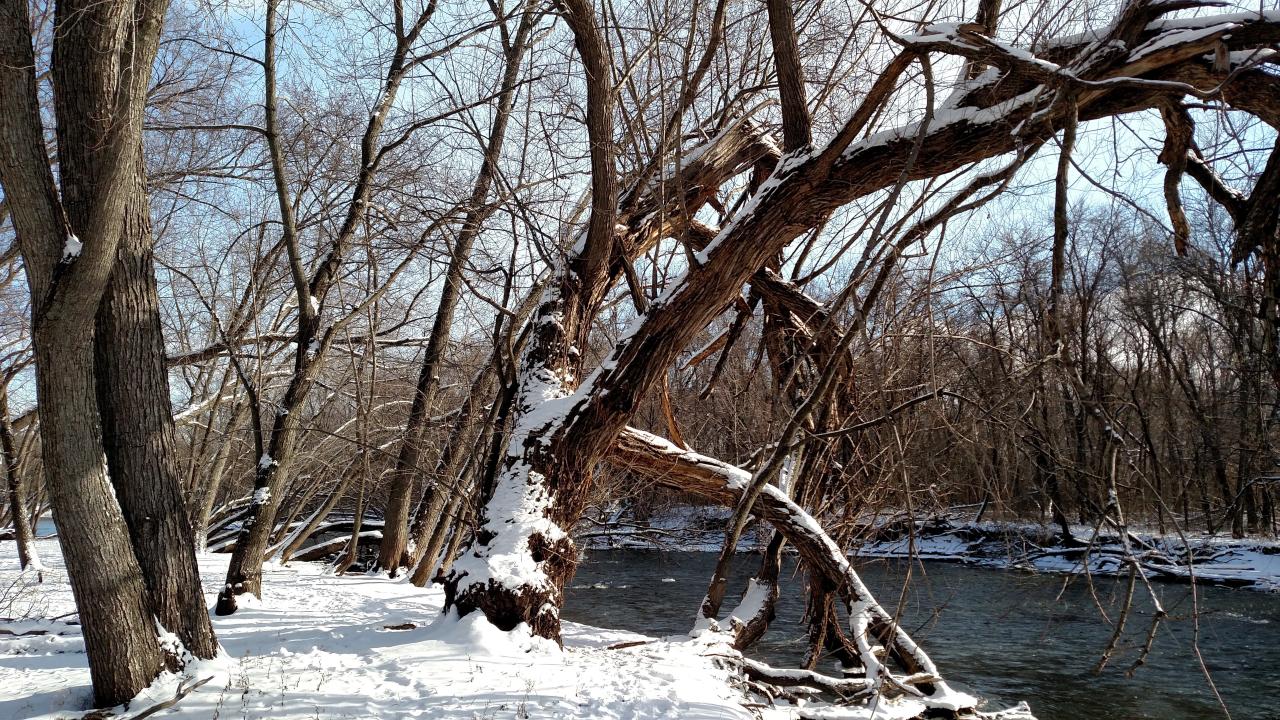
[138, 432]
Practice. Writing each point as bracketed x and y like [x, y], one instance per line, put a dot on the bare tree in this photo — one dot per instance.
[312, 339]
[69, 234]
[522, 554]
[408, 464]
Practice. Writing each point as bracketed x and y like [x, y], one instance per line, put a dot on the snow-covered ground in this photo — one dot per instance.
[322, 646]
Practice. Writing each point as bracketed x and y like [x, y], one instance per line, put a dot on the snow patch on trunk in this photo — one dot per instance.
[517, 511]
[753, 601]
[71, 248]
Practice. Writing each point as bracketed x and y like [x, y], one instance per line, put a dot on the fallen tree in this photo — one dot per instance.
[874, 630]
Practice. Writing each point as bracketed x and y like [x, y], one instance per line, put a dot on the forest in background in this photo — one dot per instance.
[437, 279]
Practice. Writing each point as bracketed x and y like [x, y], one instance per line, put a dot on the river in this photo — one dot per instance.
[1005, 636]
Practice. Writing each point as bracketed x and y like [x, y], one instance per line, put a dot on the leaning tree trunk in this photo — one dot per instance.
[294, 542]
[456, 464]
[17, 506]
[202, 505]
[446, 483]
[461, 531]
[395, 532]
[138, 433]
[203, 480]
[449, 517]
[244, 572]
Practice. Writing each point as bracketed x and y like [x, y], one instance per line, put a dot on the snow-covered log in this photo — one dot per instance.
[717, 481]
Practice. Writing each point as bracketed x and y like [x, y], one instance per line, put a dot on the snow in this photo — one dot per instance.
[71, 248]
[517, 511]
[1179, 36]
[1251, 564]
[1246, 564]
[1191, 23]
[319, 646]
[261, 495]
[735, 478]
[1250, 57]
[944, 118]
[265, 461]
[753, 600]
[950, 33]
[1173, 23]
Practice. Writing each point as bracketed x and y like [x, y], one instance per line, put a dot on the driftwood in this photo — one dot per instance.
[322, 550]
[225, 540]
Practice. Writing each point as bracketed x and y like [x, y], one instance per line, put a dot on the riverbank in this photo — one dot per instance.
[356, 646]
[1237, 563]
[1252, 564]
[324, 646]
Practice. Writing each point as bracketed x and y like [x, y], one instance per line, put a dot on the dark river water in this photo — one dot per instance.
[1004, 636]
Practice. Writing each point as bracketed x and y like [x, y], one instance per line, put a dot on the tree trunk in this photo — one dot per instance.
[111, 595]
[353, 544]
[450, 516]
[300, 536]
[751, 618]
[208, 494]
[244, 572]
[27, 556]
[101, 60]
[138, 433]
[446, 481]
[392, 555]
[461, 525]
